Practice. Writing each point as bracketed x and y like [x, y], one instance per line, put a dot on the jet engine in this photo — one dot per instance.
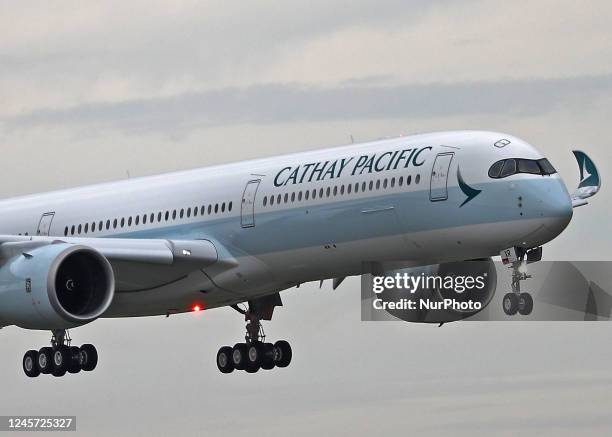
[438, 293]
[55, 286]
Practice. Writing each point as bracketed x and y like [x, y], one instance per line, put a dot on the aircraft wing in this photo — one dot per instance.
[137, 263]
[590, 181]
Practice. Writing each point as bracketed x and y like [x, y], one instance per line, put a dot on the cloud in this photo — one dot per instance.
[57, 55]
[281, 103]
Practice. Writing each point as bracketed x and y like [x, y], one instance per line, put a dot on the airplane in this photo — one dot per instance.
[238, 234]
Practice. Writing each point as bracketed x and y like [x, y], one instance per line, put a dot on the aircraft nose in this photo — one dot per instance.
[557, 206]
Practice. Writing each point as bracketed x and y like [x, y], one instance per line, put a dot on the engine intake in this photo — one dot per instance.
[81, 285]
[56, 286]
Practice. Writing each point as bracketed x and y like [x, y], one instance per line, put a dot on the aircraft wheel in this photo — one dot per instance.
[74, 366]
[268, 357]
[525, 304]
[511, 304]
[30, 364]
[88, 357]
[61, 360]
[283, 353]
[255, 354]
[45, 360]
[251, 369]
[58, 372]
[239, 356]
[224, 360]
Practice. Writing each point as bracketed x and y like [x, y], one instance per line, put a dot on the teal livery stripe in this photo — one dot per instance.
[381, 216]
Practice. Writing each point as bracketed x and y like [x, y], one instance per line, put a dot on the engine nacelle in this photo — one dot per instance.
[56, 286]
[433, 301]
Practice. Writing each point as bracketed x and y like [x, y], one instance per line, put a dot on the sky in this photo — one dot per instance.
[94, 91]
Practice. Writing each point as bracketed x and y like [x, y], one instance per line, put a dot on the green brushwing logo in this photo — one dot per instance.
[467, 190]
[589, 177]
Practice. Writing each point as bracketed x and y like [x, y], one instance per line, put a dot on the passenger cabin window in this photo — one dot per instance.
[499, 169]
[511, 166]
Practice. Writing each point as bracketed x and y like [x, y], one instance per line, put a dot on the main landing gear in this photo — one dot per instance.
[60, 358]
[517, 301]
[255, 353]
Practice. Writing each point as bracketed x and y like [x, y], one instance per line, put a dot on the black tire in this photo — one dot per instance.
[61, 360]
[224, 360]
[283, 353]
[75, 360]
[525, 304]
[88, 357]
[252, 369]
[239, 356]
[510, 304]
[58, 372]
[30, 364]
[45, 360]
[255, 355]
[268, 358]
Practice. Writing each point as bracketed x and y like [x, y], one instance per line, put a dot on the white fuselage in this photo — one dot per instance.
[309, 216]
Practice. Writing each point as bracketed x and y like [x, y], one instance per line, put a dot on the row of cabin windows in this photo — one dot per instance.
[341, 190]
[148, 218]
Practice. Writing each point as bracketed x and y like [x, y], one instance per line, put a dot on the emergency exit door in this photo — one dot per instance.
[44, 226]
[438, 189]
[248, 204]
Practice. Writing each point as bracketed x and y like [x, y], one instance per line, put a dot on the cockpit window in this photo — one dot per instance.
[528, 166]
[495, 169]
[510, 166]
[546, 166]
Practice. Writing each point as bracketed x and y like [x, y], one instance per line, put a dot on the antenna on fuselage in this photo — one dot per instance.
[352, 139]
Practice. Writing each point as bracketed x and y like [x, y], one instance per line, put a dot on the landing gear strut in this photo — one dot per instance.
[60, 358]
[517, 301]
[255, 353]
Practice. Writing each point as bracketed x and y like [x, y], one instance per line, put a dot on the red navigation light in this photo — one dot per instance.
[196, 308]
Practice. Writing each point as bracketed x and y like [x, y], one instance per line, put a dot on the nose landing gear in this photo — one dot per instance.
[517, 301]
[255, 353]
[60, 358]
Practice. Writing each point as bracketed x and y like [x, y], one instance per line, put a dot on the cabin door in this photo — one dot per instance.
[438, 189]
[248, 203]
[44, 226]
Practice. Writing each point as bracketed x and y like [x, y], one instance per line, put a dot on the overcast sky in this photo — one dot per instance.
[92, 90]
